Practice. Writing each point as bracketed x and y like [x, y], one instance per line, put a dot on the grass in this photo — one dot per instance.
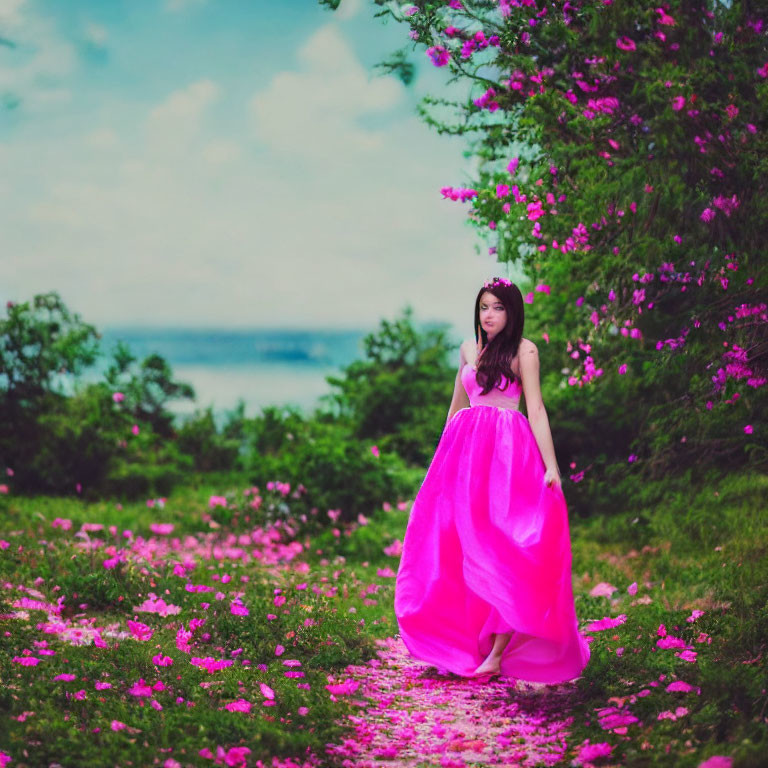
[688, 551]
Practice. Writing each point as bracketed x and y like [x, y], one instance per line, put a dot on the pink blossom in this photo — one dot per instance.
[239, 705]
[680, 685]
[67, 677]
[623, 368]
[670, 641]
[342, 689]
[625, 43]
[603, 589]
[26, 661]
[606, 623]
[135, 429]
[266, 691]
[140, 631]
[375, 451]
[116, 725]
[386, 573]
[678, 102]
[687, 655]
[118, 397]
[161, 529]
[279, 650]
[588, 752]
[217, 501]
[238, 609]
[748, 429]
[440, 56]
[162, 661]
[395, 549]
[718, 761]
[632, 588]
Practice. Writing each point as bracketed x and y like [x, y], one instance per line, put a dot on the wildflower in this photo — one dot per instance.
[440, 56]
[625, 43]
[606, 623]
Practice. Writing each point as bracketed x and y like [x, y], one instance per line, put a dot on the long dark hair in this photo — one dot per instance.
[493, 365]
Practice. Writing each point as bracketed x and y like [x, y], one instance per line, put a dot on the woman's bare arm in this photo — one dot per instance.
[460, 399]
[537, 413]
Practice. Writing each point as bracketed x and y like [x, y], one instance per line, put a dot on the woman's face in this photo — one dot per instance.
[493, 316]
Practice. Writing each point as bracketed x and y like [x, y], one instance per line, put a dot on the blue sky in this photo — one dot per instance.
[227, 163]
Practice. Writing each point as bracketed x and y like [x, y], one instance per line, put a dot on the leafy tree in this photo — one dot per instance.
[622, 167]
[398, 393]
[148, 388]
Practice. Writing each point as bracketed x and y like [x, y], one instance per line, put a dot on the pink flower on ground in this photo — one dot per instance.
[603, 589]
[748, 429]
[342, 689]
[606, 623]
[678, 103]
[670, 641]
[162, 661]
[687, 655]
[589, 752]
[386, 573]
[26, 661]
[116, 725]
[395, 549]
[279, 650]
[161, 529]
[718, 761]
[375, 451]
[238, 609]
[632, 588]
[217, 501]
[266, 691]
[3, 488]
[135, 429]
[625, 43]
[240, 705]
[118, 397]
[140, 631]
[67, 677]
[681, 685]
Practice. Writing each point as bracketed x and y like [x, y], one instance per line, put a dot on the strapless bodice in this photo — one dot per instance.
[508, 398]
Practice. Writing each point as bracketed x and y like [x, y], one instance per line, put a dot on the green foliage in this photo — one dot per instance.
[398, 393]
[82, 440]
[148, 388]
[338, 471]
[640, 195]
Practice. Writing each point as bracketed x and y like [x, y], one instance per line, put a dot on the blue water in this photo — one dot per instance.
[260, 367]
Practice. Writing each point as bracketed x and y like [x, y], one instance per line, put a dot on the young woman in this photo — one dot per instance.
[484, 584]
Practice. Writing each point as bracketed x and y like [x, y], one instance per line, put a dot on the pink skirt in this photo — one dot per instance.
[487, 550]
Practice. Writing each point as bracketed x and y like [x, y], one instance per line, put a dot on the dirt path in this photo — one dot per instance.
[422, 717]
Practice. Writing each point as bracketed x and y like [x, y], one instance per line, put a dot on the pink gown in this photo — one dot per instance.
[487, 550]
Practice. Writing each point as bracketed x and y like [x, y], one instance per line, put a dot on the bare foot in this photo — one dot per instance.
[489, 667]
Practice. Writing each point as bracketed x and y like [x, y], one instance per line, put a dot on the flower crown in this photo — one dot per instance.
[496, 282]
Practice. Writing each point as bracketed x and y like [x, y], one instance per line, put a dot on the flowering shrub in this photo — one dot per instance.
[637, 196]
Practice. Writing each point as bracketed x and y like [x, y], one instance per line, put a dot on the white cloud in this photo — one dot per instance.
[349, 9]
[316, 111]
[166, 217]
[36, 69]
[176, 122]
[10, 12]
[96, 35]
